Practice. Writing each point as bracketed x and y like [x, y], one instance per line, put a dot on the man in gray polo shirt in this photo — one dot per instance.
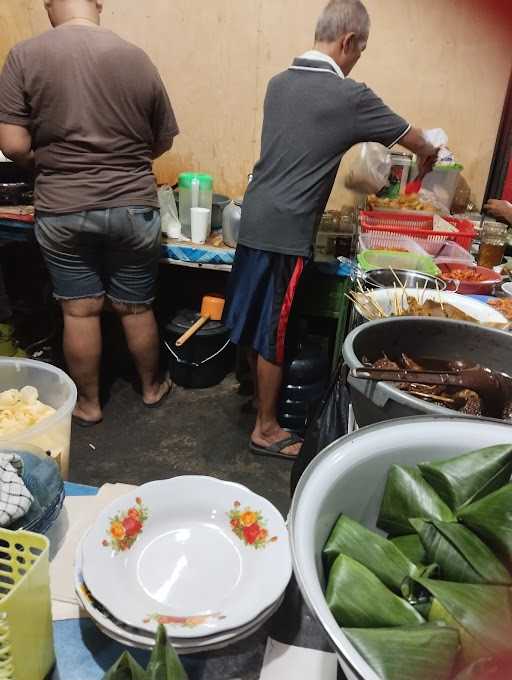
[313, 114]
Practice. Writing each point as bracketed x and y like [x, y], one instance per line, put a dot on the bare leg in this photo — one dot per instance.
[141, 332]
[252, 359]
[82, 349]
[267, 430]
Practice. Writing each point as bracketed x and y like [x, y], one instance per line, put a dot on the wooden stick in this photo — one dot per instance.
[423, 293]
[439, 297]
[363, 308]
[402, 285]
[371, 301]
[378, 307]
[395, 302]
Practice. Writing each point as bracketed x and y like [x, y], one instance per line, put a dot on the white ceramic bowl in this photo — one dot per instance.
[133, 637]
[195, 553]
[507, 288]
[385, 298]
[349, 477]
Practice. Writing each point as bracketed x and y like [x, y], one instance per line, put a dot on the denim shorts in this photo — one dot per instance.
[113, 252]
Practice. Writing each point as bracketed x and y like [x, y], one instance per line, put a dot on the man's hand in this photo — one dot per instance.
[427, 154]
[16, 144]
[501, 209]
[426, 163]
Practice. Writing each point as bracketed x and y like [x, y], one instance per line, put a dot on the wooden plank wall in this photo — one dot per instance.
[441, 63]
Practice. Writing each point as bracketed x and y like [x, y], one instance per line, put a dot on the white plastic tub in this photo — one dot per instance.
[55, 389]
[349, 477]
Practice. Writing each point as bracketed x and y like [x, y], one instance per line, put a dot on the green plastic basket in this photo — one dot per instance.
[382, 259]
[26, 632]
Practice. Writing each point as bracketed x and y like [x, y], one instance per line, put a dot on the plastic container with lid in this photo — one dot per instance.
[382, 259]
[55, 389]
[196, 191]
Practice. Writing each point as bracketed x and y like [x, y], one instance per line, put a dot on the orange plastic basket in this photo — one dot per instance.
[416, 226]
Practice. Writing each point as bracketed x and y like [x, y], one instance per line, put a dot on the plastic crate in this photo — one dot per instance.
[26, 634]
[381, 240]
[417, 227]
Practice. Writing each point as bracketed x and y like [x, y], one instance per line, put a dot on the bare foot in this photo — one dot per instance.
[156, 395]
[272, 435]
[87, 412]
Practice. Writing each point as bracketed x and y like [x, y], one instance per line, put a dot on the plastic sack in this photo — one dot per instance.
[164, 664]
[370, 170]
[329, 423]
[171, 225]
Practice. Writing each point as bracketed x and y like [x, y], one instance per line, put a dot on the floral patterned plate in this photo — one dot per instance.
[197, 554]
[133, 637]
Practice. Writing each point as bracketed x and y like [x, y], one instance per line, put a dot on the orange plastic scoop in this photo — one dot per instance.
[211, 309]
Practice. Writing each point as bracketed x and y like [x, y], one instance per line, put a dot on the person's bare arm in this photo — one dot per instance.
[16, 144]
[162, 146]
[499, 208]
[427, 154]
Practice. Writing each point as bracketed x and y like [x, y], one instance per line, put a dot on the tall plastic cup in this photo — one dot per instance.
[200, 222]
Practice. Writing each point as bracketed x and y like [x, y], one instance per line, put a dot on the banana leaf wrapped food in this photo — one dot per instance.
[430, 651]
[164, 664]
[462, 480]
[358, 599]
[450, 527]
[375, 552]
[460, 554]
[482, 614]
[408, 495]
[412, 547]
[491, 519]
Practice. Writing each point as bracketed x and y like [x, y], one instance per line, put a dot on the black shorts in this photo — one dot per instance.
[260, 295]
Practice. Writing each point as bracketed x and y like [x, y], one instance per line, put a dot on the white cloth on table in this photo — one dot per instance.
[15, 498]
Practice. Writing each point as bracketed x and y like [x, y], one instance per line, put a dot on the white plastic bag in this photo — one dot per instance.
[171, 225]
[370, 170]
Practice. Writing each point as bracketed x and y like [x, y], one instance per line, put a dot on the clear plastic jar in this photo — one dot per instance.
[493, 240]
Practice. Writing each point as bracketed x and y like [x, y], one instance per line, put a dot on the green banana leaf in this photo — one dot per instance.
[358, 599]
[425, 652]
[412, 547]
[460, 554]
[373, 551]
[407, 495]
[464, 479]
[493, 668]
[164, 663]
[482, 614]
[491, 519]
[126, 668]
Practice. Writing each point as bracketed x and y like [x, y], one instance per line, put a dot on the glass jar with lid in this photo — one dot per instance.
[493, 241]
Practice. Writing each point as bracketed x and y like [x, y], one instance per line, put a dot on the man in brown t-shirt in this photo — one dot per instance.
[91, 112]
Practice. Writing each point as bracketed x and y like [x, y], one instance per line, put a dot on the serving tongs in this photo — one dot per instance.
[494, 388]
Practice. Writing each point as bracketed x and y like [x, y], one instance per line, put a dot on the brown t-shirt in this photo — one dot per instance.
[97, 111]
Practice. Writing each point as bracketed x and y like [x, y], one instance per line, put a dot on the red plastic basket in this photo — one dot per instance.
[416, 226]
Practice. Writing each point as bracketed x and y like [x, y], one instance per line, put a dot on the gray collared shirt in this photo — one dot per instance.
[312, 117]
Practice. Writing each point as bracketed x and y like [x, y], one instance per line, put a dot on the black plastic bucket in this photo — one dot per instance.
[207, 357]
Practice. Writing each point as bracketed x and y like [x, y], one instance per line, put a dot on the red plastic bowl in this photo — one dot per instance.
[484, 287]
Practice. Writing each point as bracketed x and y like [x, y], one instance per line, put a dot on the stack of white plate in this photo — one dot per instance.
[208, 559]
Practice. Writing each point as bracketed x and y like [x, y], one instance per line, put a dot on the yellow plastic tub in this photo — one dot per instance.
[26, 633]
